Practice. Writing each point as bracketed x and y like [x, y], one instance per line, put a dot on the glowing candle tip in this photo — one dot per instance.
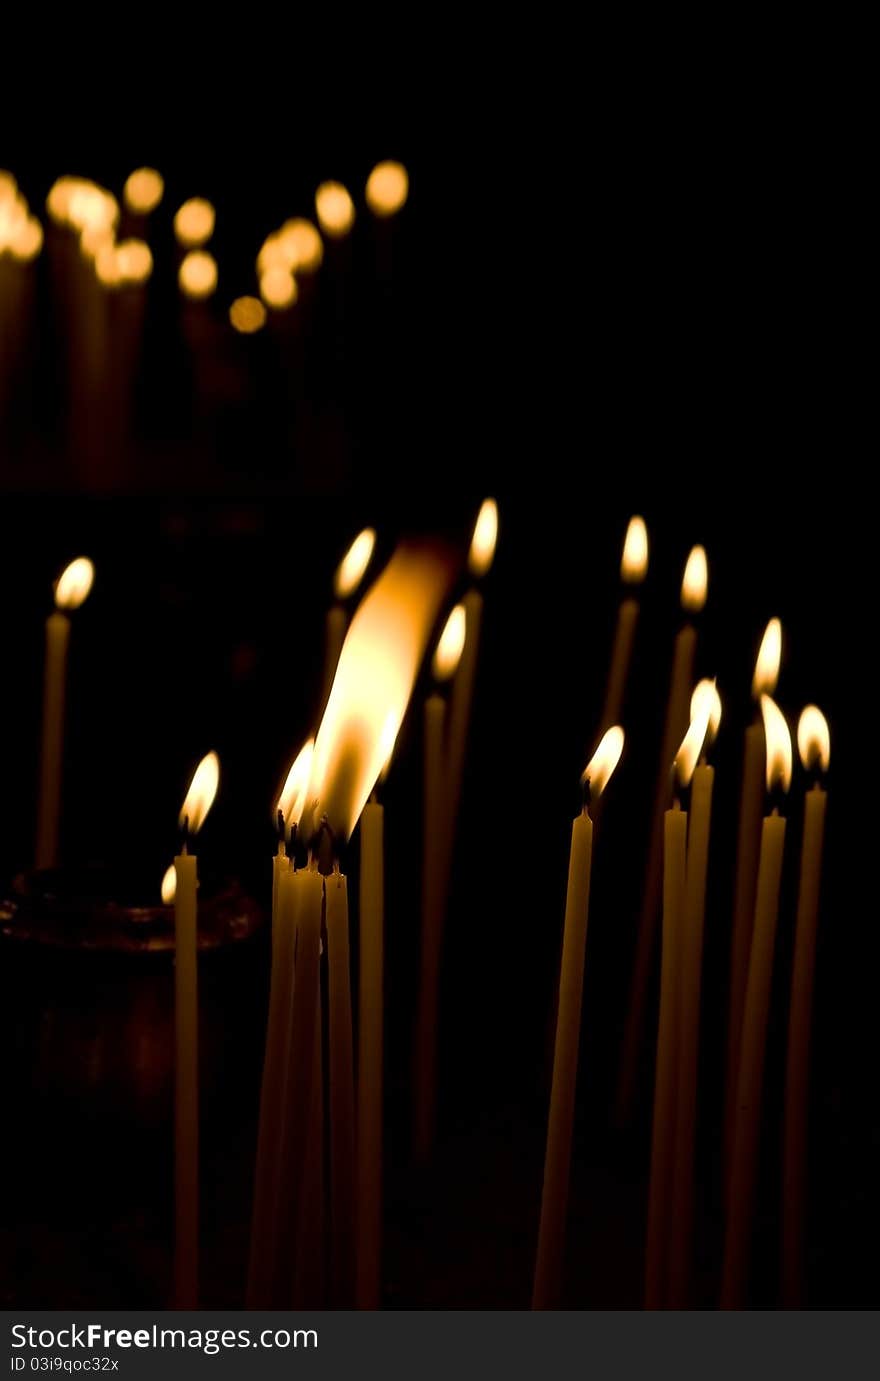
[768, 660]
[695, 582]
[814, 739]
[485, 538]
[353, 566]
[708, 691]
[200, 797]
[74, 583]
[598, 770]
[634, 562]
[778, 739]
[450, 645]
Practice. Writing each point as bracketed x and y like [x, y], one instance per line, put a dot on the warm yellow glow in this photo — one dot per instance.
[197, 275]
[335, 209]
[8, 187]
[27, 241]
[107, 265]
[603, 762]
[276, 253]
[58, 200]
[13, 221]
[74, 583]
[302, 244]
[814, 740]
[353, 566]
[200, 797]
[450, 645]
[485, 537]
[707, 690]
[293, 793]
[143, 191]
[634, 562]
[769, 657]
[688, 754]
[377, 669]
[387, 188]
[695, 582]
[778, 740]
[194, 222]
[247, 315]
[89, 205]
[134, 261]
[278, 287]
[169, 885]
[95, 238]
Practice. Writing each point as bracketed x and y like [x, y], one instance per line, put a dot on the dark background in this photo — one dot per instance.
[612, 308]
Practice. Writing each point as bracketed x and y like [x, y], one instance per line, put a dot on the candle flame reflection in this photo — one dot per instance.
[200, 797]
[634, 562]
[768, 660]
[688, 755]
[814, 740]
[293, 793]
[778, 737]
[707, 690]
[695, 581]
[603, 762]
[353, 566]
[74, 583]
[169, 885]
[485, 538]
[450, 645]
[377, 669]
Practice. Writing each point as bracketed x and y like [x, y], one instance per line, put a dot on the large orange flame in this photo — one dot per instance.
[688, 755]
[768, 659]
[603, 762]
[706, 690]
[200, 797]
[293, 793]
[778, 737]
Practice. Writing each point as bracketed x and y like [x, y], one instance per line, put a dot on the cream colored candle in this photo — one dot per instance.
[341, 1093]
[71, 589]
[748, 840]
[309, 1266]
[815, 751]
[368, 1210]
[693, 596]
[750, 1074]
[550, 1255]
[633, 566]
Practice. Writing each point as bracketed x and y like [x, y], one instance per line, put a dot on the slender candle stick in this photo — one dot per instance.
[746, 1140]
[435, 884]
[745, 880]
[71, 589]
[557, 1159]
[368, 1241]
[196, 805]
[693, 597]
[815, 751]
[308, 1282]
[349, 574]
[633, 567]
[341, 1092]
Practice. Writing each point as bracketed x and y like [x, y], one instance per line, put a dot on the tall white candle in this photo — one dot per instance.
[368, 1223]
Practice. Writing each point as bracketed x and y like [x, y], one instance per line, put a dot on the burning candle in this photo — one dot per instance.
[435, 881]
[349, 574]
[675, 826]
[368, 1228]
[694, 586]
[342, 1137]
[557, 1157]
[699, 817]
[748, 842]
[750, 1075]
[633, 567]
[71, 589]
[814, 747]
[196, 805]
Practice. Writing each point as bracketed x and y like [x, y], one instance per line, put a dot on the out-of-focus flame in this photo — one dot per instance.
[276, 252]
[134, 261]
[377, 669]
[247, 315]
[169, 885]
[74, 583]
[197, 274]
[387, 743]
[814, 740]
[194, 222]
[778, 739]
[200, 797]
[695, 581]
[634, 562]
[143, 191]
[300, 241]
[450, 645]
[353, 566]
[107, 263]
[768, 660]
[278, 287]
[27, 241]
[387, 188]
[293, 793]
[485, 537]
[688, 754]
[335, 209]
[598, 770]
[707, 690]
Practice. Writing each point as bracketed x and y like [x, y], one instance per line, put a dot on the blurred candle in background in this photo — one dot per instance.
[387, 188]
[633, 568]
[335, 209]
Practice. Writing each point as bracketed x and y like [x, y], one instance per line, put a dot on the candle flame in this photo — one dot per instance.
[74, 583]
[134, 261]
[169, 885]
[707, 690]
[695, 581]
[293, 793]
[247, 315]
[634, 562]
[194, 222]
[598, 770]
[335, 209]
[200, 797]
[377, 669]
[353, 566]
[278, 287]
[485, 537]
[143, 191]
[300, 241]
[688, 755]
[814, 740]
[450, 645]
[778, 738]
[197, 274]
[387, 188]
[768, 660]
